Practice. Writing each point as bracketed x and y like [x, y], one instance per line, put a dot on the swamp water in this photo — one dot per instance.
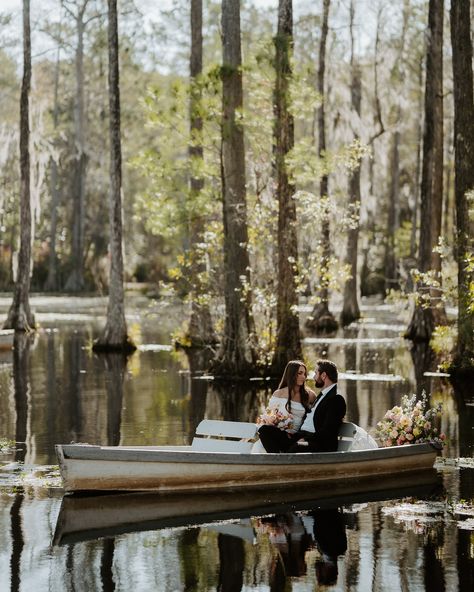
[416, 535]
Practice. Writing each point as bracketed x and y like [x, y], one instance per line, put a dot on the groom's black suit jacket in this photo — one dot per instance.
[327, 419]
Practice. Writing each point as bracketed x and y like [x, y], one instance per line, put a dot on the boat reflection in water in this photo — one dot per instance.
[90, 517]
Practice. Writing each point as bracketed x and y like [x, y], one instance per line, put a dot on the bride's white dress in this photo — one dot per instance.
[279, 403]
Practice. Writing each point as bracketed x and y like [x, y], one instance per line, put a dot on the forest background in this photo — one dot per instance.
[363, 194]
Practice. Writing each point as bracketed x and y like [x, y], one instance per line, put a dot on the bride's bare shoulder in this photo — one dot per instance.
[312, 395]
[281, 393]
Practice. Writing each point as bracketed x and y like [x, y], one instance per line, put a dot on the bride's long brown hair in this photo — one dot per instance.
[289, 380]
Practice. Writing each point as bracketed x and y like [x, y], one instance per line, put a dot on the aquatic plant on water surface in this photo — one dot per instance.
[411, 422]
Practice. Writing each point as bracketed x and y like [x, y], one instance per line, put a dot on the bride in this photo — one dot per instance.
[292, 397]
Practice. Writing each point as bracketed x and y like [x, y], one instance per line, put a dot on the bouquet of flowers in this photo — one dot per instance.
[274, 417]
[411, 422]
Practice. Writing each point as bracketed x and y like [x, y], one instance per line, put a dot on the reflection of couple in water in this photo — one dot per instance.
[291, 535]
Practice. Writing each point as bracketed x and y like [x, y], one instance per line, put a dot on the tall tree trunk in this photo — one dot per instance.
[321, 319]
[390, 259]
[115, 335]
[424, 319]
[464, 177]
[51, 283]
[416, 190]
[288, 342]
[390, 262]
[20, 316]
[75, 281]
[237, 352]
[350, 308]
[200, 330]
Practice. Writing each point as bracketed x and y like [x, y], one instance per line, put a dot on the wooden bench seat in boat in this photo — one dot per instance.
[213, 435]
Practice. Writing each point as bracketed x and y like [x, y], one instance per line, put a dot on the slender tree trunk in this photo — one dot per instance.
[237, 352]
[200, 330]
[390, 259]
[20, 316]
[75, 281]
[424, 319]
[390, 262]
[115, 335]
[51, 284]
[288, 342]
[321, 319]
[416, 191]
[464, 178]
[350, 308]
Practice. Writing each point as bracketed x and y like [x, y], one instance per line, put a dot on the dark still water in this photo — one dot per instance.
[415, 535]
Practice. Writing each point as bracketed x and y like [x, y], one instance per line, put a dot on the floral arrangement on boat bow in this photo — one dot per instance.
[274, 417]
[410, 423]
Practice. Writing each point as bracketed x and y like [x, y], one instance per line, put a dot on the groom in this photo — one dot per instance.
[319, 431]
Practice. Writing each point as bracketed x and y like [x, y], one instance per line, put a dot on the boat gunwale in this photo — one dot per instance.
[71, 452]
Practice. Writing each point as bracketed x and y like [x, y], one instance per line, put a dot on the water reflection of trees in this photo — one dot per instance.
[115, 365]
[21, 371]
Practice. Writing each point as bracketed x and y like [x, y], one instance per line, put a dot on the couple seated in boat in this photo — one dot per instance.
[304, 422]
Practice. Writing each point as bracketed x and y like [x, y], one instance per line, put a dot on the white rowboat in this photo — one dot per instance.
[202, 466]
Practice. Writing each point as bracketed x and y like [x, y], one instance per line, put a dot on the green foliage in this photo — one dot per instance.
[6, 445]
[169, 206]
[443, 340]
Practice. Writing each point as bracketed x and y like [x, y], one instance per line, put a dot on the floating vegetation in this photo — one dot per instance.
[419, 516]
[155, 347]
[371, 376]
[350, 340]
[16, 477]
[454, 463]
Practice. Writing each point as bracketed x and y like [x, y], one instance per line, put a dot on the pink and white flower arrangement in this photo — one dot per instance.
[411, 422]
[274, 417]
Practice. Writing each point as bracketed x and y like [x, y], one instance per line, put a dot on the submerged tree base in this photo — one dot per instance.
[349, 315]
[126, 346]
[421, 326]
[20, 318]
[224, 371]
[322, 320]
[462, 373]
[188, 343]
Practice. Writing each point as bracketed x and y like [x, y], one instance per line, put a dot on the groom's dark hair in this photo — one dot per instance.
[329, 367]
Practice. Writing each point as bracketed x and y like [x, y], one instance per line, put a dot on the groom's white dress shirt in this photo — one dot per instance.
[308, 424]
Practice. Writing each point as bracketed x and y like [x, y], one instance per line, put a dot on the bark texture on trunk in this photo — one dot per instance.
[424, 319]
[75, 281]
[237, 356]
[115, 335]
[350, 307]
[321, 319]
[464, 178]
[51, 284]
[288, 342]
[390, 263]
[200, 330]
[416, 189]
[20, 316]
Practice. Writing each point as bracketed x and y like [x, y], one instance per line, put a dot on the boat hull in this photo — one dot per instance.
[97, 468]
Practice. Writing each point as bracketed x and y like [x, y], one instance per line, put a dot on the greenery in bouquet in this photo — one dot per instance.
[411, 422]
[274, 417]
